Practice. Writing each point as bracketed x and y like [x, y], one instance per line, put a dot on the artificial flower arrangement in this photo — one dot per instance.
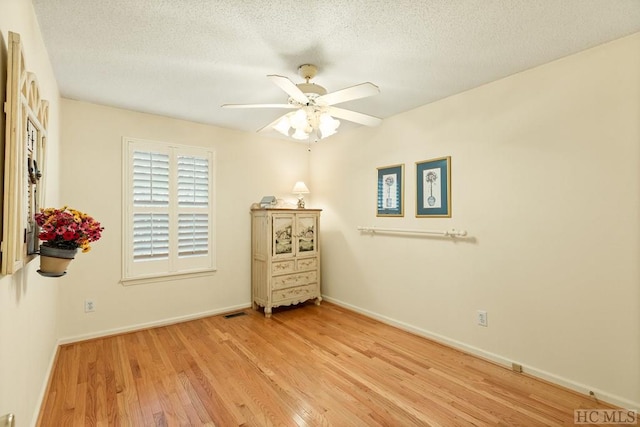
[67, 228]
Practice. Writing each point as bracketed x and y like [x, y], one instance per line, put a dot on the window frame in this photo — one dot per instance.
[22, 183]
[175, 266]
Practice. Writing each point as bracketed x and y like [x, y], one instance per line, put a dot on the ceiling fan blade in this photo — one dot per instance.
[354, 92]
[354, 116]
[288, 86]
[287, 106]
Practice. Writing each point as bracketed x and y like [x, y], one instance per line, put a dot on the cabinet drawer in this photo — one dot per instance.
[282, 267]
[298, 279]
[307, 264]
[299, 293]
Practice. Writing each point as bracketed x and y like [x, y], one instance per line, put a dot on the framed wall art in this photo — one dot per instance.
[391, 191]
[433, 188]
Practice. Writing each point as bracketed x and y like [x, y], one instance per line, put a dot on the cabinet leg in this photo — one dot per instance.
[254, 305]
[318, 300]
[267, 312]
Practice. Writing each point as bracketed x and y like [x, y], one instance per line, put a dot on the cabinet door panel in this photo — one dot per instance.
[283, 236]
[306, 226]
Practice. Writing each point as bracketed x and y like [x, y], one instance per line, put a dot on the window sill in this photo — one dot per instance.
[167, 277]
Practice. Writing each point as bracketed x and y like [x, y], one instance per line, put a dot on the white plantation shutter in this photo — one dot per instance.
[150, 236]
[169, 210]
[193, 181]
[150, 188]
[150, 179]
[193, 197]
[193, 232]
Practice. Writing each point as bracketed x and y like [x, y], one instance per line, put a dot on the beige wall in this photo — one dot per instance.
[247, 168]
[545, 169]
[28, 302]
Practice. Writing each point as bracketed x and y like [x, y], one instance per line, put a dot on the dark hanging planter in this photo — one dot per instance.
[54, 261]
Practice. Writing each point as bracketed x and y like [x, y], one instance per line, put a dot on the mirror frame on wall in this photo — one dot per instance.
[24, 161]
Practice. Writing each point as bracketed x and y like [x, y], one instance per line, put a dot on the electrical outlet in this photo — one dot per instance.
[89, 306]
[482, 318]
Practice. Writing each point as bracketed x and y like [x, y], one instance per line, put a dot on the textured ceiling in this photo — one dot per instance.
[185, 58]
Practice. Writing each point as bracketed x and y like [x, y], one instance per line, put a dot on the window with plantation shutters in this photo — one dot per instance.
[168, 210]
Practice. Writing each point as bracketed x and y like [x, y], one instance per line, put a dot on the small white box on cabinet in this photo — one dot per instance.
[268, 201]
[285, 257]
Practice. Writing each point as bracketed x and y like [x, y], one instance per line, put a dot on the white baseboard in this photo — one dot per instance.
[154, 324]
[45, 384]
[531, 370]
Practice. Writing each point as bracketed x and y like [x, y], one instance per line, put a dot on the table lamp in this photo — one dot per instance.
[300, 189]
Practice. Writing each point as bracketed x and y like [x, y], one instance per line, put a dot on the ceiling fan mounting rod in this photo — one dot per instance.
[307, 71]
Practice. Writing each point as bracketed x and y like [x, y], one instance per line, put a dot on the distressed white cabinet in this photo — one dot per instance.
[285, 257]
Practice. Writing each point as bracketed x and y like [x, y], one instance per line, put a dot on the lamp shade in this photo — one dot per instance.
[327, 125]
[283, 126]
[300, 134]
[300, 188]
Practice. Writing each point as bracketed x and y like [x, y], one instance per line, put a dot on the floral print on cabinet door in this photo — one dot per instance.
[306, 232]
[283, 235]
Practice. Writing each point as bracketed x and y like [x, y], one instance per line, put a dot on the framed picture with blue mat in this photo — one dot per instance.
[391, 191]
[433, 188]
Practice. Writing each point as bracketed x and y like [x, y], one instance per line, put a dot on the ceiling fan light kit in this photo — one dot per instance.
[304, 121]
[314, 111]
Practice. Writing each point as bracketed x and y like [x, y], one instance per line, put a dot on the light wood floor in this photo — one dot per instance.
[307, 366]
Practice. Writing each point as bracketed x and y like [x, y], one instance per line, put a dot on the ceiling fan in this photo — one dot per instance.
[314, 107]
